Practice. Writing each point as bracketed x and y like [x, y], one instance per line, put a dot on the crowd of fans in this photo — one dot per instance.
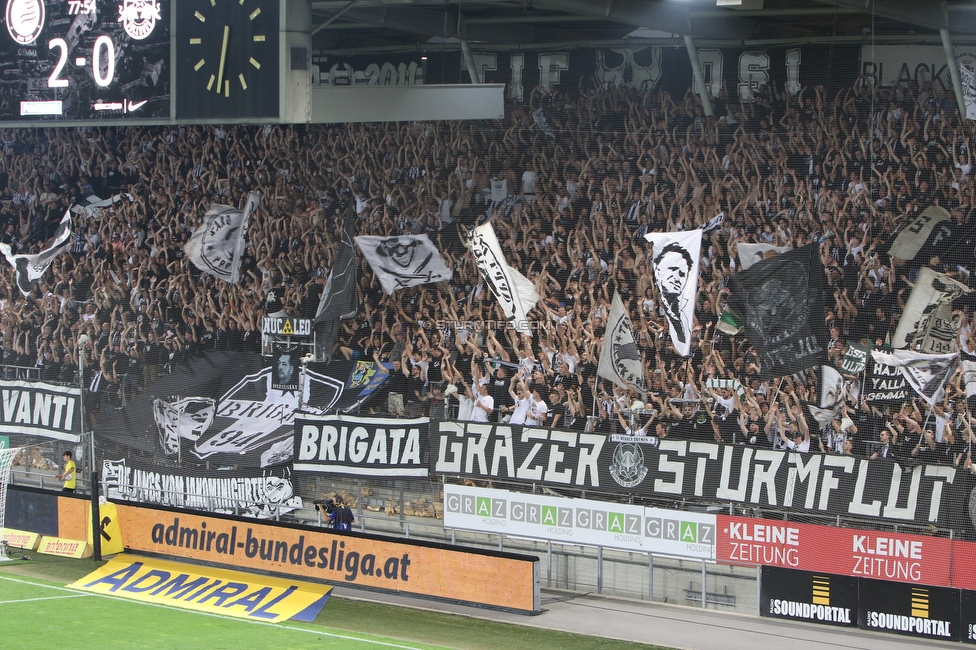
[570, 183]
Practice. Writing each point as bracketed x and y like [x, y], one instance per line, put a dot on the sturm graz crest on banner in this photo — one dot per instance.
[628, 467]
[624, 355]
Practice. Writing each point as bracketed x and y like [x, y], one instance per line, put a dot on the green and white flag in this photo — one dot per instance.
[729, 323]
[855, 358]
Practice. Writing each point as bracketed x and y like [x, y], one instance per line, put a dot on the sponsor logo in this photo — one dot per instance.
[138, 17]
[912, 624]
[887, 558]
[628, 465]
[818, 609]
[25, 20]
[764, 544]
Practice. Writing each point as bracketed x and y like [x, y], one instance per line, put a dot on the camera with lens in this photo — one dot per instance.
[327, 506]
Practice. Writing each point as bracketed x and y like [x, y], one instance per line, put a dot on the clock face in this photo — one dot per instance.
[227, 54]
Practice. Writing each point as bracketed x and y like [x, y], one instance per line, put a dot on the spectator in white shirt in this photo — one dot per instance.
[484, 403]
[537, 409]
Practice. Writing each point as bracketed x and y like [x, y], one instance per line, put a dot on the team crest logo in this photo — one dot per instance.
[25, 20]
[628, 465]
[361, 374]
[138, 17]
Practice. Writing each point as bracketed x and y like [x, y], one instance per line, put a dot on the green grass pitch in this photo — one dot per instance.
[38, 612]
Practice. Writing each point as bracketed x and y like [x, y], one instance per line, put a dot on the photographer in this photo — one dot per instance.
[341, 515]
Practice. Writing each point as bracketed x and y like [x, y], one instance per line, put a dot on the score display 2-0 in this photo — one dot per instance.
[84, 59]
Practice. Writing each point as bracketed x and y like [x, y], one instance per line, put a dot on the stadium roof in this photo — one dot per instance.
[367, 26]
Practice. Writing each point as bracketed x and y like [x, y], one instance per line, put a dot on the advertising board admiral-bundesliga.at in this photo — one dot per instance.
[812, 483]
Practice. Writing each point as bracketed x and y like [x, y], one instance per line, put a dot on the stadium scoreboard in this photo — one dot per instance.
[85, 59]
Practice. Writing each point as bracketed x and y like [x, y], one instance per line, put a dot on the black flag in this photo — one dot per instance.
[340, 297]
[782, 300]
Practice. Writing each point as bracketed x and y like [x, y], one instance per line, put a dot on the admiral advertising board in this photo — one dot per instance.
[580, 521]
[811, 483]
[807, 596]
[454, 573]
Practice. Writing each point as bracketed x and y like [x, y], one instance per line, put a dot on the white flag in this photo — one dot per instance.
[913, 235]
[968, 80]
[620, 360]
[404, 261]
[927, 324]
[714, 222]
[30, 268]
[925, 373]
[969, 377]
[515, 292]
[675, 258]
[218, 244]
[749, 254]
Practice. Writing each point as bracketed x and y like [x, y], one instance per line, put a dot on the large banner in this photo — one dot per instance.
[927, 324]
[502, 580]
[740, 70]
[806, 596]
[515, 293]
[675, 257]
[40, 409]
[361, 446]
[580, 521]
[228, 408]
[403, 261]
[782, 301]
[885, 383]
[707, 471]
[253, 493]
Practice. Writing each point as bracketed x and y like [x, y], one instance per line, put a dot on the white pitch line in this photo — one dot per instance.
[31, 600]
[212, 615]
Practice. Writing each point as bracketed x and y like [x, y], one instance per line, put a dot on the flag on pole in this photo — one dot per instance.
[749, 254]
[927, 324]
[30, 268]
[925, 373]
[675, 259]
[403, 261]
[340, 296]
[217, 246]
[782, 300]
[968, 79]
[515, 292]
[620, 360]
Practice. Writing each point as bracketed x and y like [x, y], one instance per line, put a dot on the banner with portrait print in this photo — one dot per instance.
[675, 256]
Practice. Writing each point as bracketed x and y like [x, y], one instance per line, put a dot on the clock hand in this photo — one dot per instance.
[223, 59]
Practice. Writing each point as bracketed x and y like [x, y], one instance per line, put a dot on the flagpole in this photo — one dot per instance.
[92, 472]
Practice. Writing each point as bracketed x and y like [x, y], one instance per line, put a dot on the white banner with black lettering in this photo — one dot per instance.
[913, 236]
[361, 446]
[40, 409]
[515, 292]
[217, 244]
[925, 373]
[403, 261]
[927, 325]
[580, 521]
[620, 360]
[969, 376]
[250, 493]
[675, 257]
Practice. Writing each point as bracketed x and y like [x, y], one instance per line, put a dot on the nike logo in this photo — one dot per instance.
[133, 106]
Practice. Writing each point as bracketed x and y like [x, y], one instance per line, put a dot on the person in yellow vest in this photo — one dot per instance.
[70, 473]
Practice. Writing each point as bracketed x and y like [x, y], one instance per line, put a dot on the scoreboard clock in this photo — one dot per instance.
[84, 59]
[227, 53]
